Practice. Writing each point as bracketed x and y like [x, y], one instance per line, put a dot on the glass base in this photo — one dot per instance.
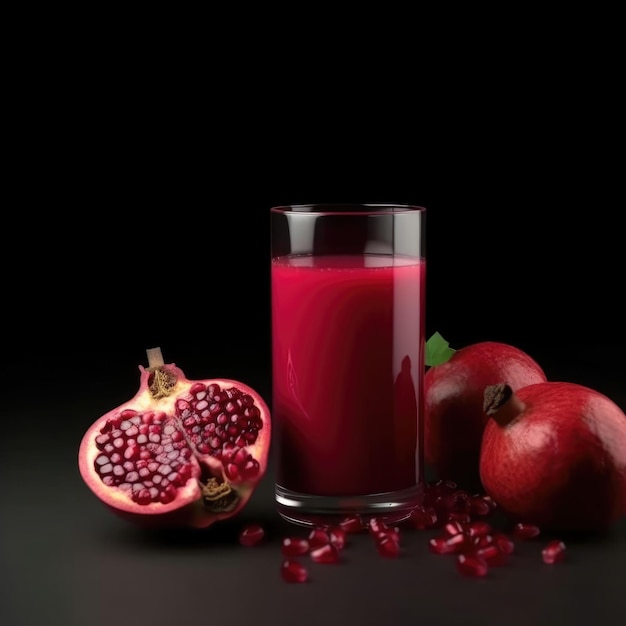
[308, 510]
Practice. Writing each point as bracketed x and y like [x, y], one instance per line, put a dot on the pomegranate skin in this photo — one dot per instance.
[168, 443]
[558, 458]
[453, 404]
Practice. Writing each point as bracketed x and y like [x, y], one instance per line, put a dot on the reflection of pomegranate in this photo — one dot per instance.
[453, 404]
[181, 452]
[554, 454]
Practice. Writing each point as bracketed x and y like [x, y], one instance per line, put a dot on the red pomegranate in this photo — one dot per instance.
[453, 404]
[554, 454]
[181, 452]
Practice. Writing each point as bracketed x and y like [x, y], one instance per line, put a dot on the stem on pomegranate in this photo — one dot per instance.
[155, 358]
[502, 404]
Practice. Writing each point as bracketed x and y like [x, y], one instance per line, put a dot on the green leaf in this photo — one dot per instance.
[438, 350]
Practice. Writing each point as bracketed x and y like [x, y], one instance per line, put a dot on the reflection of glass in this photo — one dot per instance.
[348, 335]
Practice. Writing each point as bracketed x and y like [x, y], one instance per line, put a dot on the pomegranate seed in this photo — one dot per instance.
[471, 566]
[491, 554]
[453, 528]
[337, 537]
[352, 524]
[553, 552]
[251, 535]
[482, 541]
[447, 545]
[376, 526]
[318, 537]
[479, 506]
[524, 531]
[505, 544]
[422, 517]
[387, 546]
[491, 502]
[477, 529]
[293, 546]
[458, 516]
[293, 572]
[387, 533]
[325, 554]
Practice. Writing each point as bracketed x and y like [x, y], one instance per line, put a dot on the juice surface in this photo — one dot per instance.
[347, 341]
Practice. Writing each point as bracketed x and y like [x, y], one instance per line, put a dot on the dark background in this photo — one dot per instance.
[137, 214]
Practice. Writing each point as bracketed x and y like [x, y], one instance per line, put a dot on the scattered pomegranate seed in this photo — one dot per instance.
[479, 506]
[293, 572]
[472, 566]
[482, 541]
[376, 525]
[318, 537]
[251, 535]
[422, 517]
[453, 528]
[337, 537]
[553, 552]
[476, 529]
[491, 502]
[476, 544]
[352, 524]
[294, 546]
[387, 546]
[447, 544]
[504, 543]
[524, 531]
[491, 554]
[325, 554]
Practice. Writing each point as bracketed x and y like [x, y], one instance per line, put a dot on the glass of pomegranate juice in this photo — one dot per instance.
[348, 287]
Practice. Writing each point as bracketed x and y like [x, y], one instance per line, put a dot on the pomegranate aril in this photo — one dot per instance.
[337, 536]
[167, 495]
[325, 554]
[453, 528]
[352, 524]
[471, 566]
[479, 506]
[388, 546]
[482, 541]
[505, 544]
[376, 525]
[250, 469]
[422, 518]
[294, 546]
[387, 533]
[446, 544]
[293, 572]
[477, 529]
[251, 535]
[102, 439]
[491, 502]
[232, 471]
[525, 531]
[318, 537]
[491, 554]
[553, 552]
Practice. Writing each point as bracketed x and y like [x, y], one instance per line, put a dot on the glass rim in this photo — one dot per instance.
[347, 208]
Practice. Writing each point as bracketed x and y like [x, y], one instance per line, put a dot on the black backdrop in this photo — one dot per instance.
[122, 252]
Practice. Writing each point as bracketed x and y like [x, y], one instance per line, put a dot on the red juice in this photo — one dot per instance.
[347, 341]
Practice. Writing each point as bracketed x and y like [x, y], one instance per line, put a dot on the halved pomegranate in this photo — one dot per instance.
[180, 452]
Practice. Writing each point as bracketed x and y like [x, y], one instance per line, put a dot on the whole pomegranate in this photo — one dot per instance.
[453, 404]
[554, 454]
[181, 452]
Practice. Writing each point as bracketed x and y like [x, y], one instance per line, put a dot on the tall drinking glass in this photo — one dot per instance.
[348, 305]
